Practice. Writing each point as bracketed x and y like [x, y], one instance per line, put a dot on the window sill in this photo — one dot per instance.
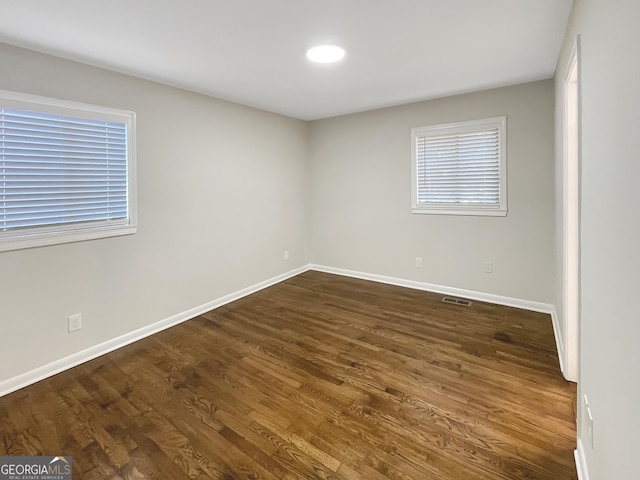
[481, 213]
[20, 242]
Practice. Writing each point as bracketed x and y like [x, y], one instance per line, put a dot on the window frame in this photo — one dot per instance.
[454, 128]
[30, 237]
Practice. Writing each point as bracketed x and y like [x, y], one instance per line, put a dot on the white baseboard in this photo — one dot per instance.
[459, 292]
[57, 366]
[581, 461]
[50, 369]
[559, 343]
[569, 376]
[432, 287]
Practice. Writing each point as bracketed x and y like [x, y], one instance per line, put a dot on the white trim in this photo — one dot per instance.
[571, 225]
[559, 345]
[459, 292]
[432, 287]
[456, 128]
[556, 333]
[54, 105]
[57, 366]
[64, 235]
[451, 211]
[581, 462]
[75, 231]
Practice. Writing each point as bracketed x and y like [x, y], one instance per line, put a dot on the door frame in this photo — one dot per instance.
[571, 169]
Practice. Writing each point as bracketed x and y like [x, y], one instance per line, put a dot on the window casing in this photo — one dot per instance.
[67, 171]
[460, 168]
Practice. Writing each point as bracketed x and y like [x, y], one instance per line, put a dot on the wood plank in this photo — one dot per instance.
[320, 376]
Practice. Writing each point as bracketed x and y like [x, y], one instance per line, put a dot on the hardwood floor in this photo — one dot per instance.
[319, 377]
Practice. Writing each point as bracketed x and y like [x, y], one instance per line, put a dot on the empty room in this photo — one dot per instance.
[348, 239]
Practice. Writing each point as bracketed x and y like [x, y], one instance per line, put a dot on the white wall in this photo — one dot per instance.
[361, 197]
[221, 195]
[610, 230]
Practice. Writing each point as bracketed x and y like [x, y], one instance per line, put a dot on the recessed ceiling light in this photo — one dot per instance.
[325, 53]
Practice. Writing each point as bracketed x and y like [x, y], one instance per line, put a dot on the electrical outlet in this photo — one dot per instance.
[75, 322]
[418, 262]
[588, 420]
[286, 254]
[488, 267]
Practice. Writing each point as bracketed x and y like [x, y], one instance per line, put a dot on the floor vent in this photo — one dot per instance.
[456, 301]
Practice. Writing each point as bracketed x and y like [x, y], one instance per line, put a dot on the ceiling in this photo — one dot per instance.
[253, 51]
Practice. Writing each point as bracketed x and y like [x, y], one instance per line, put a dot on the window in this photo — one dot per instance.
[67, 171]
[460, 168]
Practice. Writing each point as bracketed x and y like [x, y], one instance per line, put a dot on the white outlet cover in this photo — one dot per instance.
[588, 420]
[75, 322]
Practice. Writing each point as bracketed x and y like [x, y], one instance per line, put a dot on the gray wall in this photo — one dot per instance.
[224, 189]
[361, 197]
[610, 230]
[221, 195]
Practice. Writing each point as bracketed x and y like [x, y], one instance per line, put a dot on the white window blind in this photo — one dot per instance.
[460, 168]
[63, 177]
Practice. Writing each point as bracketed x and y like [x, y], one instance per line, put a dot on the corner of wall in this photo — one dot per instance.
[40, 373]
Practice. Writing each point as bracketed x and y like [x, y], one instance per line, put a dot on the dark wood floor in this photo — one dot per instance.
[318, 377]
